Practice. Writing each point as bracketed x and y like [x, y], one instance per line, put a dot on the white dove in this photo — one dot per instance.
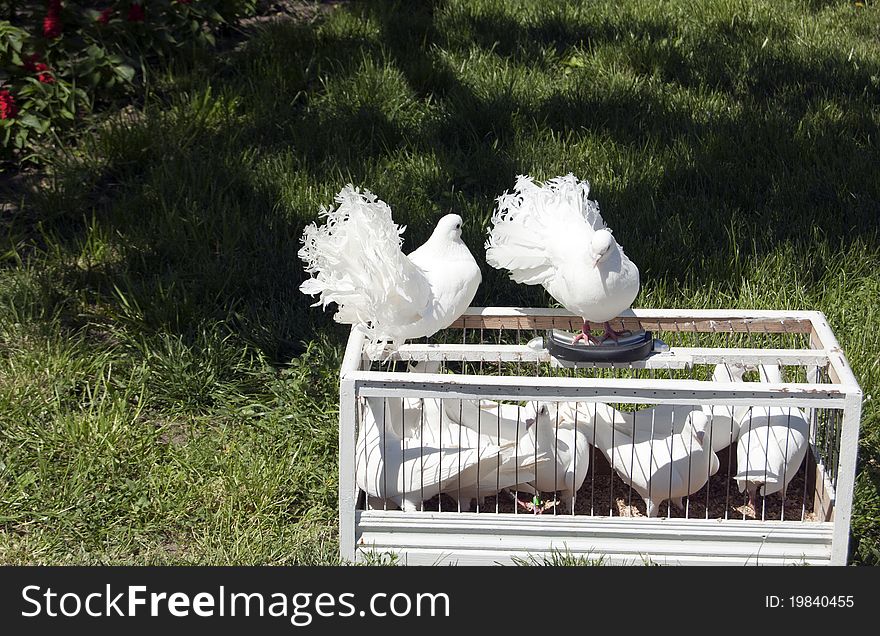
[662, 420]
[356, 261]
[539, 434]
[409, 470]
[771, 447]
[519, 458]
[670, 467]
[553, 235]
[424, 428]
[500, 422]
[567, 445]
[726, 419]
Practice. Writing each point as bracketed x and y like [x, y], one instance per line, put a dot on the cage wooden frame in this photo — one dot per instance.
[479, 538]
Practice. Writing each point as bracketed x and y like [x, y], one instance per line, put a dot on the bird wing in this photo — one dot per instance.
[535, 228]
[355, 261]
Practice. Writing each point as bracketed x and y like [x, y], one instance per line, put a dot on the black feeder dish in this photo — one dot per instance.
[629, 348]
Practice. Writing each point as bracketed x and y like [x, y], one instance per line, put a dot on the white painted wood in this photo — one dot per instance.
[486, 557]
[718, 355]
[351, 360]
[520, 353]
[471, 538]
[347, 487]
[625, 390]
[836, 357]
[846, 473]
[675, 358]
[812, 372]
[685, 314]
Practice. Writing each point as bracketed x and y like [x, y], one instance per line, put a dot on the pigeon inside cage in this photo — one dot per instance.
[593, 458]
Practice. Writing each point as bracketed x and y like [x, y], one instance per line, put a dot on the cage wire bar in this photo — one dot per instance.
[486, 355]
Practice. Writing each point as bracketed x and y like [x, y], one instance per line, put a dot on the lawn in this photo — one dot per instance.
[167, 395]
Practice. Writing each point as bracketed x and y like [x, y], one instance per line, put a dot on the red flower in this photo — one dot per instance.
[104, 18]
[30, 62]
[51, 26]
[52, 21]
[136, 13]
[8, 109]
[44, 73]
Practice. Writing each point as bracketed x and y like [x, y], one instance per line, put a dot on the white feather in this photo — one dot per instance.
[772, 444]
[544, 235]
[408, 451]
[669, 467]
[356, 262]
[662, 420]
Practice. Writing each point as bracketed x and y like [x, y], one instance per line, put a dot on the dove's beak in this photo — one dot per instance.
[596, 260]
[700, 436]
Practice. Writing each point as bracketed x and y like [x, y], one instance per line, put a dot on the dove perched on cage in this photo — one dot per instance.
[355, 260]
[553, 235]
[670, 467]
[772, 445]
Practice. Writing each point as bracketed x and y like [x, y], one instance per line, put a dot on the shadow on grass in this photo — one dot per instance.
[213, 204]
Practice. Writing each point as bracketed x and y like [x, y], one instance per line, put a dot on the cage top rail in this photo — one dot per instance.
[711, 321]
[685, 320]
[825, 351]
[675, 358]
[623, 390]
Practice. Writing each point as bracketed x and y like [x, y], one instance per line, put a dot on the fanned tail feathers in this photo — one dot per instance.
[355, 261]
[529, 221]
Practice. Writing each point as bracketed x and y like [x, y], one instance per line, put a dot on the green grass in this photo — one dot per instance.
[168, 396]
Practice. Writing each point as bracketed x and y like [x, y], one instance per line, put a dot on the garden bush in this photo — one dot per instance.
[60, 60]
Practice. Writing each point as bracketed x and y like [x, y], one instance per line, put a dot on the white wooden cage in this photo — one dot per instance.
[486, 355]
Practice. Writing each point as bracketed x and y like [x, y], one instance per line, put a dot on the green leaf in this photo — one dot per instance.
[29, 121]
[125, 71]
[21, 138]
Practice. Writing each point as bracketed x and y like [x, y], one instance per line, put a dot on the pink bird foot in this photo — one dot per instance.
[611, 334]
[585, 335]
